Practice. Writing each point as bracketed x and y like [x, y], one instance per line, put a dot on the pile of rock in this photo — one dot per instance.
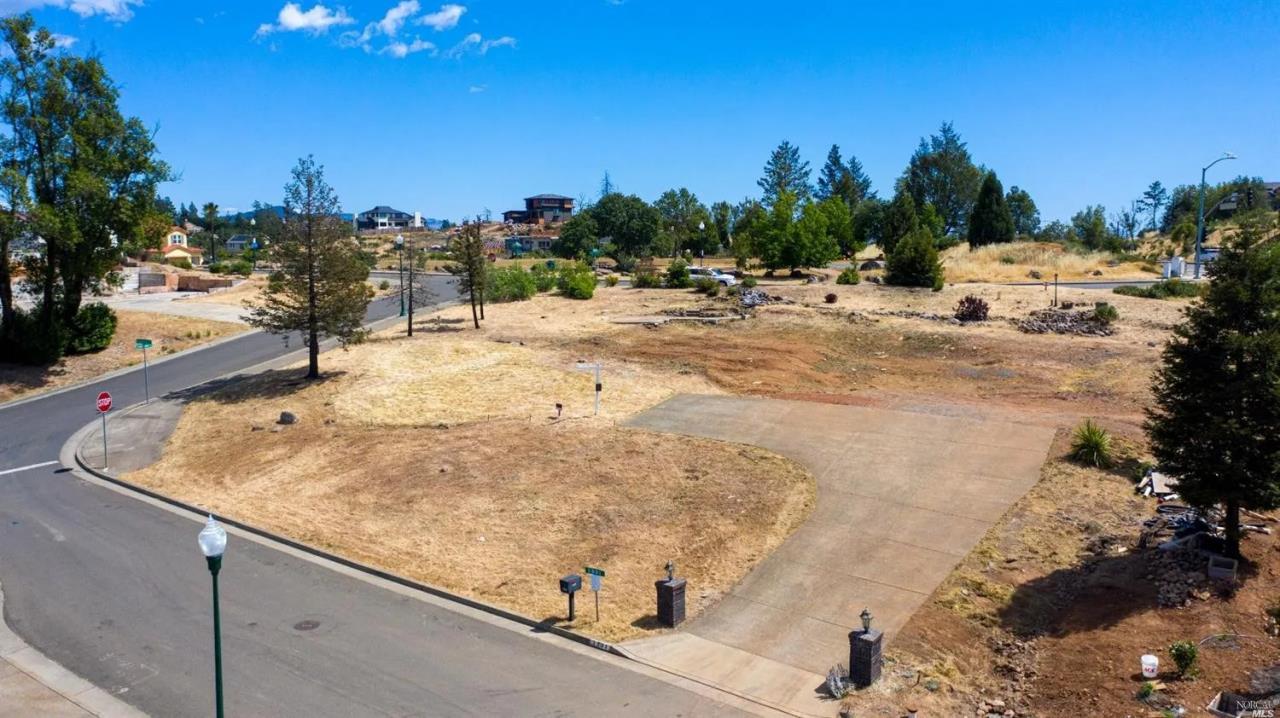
[753, 297]
[1058, 321]
[1015, 663]
[996, 708]
[1179, 576]
[911, 314]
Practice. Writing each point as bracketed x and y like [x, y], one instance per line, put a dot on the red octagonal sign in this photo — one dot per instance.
[104, 402]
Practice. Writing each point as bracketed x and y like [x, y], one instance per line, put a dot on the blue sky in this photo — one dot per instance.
[450, 109]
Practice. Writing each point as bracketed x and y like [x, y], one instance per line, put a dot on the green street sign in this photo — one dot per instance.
[142, 344]
[594, 571]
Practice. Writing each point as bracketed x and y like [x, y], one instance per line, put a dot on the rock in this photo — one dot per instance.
[875, 280]
[1061, 321]
[255, 427]
[870, 264]
[1035, 275]
[1097, 272]
[287, 418]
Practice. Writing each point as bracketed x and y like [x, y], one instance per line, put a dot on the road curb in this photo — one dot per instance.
[48, 673]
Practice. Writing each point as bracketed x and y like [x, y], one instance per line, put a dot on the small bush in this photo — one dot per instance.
[384, 285]
[646, 280]
[1106, 313]
[92, 329]
[577, 281]
[1146, 690]
[914, 262]
[242, 267]
[1007, 259]
[837, 684]
[215, 268]
[749, 282]
[1168, 289]
[509, 284]
[707, 285]
[611, 280]
[849, 276]
[831, 298]
[1185, 655]
[972, 309]
[678, 275]
[1091, 445]
[544, 278]
[180, 263]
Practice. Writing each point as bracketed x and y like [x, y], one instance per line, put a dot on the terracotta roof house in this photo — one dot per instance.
[177, 247]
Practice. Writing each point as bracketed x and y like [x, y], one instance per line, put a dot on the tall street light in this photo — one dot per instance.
[1200, 222]
[400, 251]
[213, 542]
[702, 251]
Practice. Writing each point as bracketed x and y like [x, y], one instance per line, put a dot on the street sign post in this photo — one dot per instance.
[144, 345]
[597, 579]
[586, 366]
[104, 406]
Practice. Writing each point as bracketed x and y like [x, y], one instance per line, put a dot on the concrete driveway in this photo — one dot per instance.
[903, 495]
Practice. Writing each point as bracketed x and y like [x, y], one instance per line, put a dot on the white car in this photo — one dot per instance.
[725, 280]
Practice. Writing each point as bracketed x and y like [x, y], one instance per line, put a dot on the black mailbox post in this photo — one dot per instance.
[571, 584]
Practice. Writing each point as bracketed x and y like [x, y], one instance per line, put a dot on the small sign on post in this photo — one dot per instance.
[144, 345]
[104, 406]
[586, 366]
[597, 579]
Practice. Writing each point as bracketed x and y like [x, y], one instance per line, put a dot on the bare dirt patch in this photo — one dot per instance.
[169, 333]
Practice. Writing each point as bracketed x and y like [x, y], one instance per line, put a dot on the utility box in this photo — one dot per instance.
[671, 601]
[866, 659]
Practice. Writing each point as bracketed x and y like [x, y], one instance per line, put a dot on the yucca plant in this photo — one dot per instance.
[1091, 445]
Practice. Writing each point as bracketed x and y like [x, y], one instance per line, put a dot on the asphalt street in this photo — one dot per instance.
[115, 589]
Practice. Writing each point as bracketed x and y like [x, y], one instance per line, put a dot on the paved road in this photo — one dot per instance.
[114, 589]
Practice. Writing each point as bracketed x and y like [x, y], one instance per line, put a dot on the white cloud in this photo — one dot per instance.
[63, 41]
[445, 18]
[118, 10]
[400, 49]
[477, 89]
[395, 18]
[476, 42]
[316, 21]
[504, 41]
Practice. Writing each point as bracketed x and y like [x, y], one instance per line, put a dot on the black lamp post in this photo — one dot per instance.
[213, 542]
[400, 251]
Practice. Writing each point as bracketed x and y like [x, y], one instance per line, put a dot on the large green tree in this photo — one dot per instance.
[898, 221]
[942, 173]
[845, 180]
[1026, 216]
[319, 287]
[578, 237]
[722, 221]
[1090, 226]
[785, 172]
[990, 222]
[1215, 425]
[687, 221]
[628, 222]
[87, 177]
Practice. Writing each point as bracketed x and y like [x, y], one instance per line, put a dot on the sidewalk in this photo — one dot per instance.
[33, 685]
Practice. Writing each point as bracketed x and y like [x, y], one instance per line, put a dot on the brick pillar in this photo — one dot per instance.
[671, 601]
[865, 657]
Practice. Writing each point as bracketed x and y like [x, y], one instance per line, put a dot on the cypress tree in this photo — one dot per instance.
[900, 219]
[914, 262]
[991, 221]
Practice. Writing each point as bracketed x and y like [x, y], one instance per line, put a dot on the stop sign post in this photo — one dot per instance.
[104, 406]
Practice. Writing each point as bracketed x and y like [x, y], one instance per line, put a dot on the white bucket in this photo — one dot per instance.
[1150, 666]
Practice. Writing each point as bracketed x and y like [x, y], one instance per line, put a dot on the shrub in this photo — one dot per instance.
[972, 309]
[849, 276]
[1185, 655]
[215, 268]
[1105, 313]
[707, 285]
[384, 285]
[180, 263]
[914, 262]
[749, 282]
[577, 281]
[678, 275]
[831, 298]
[509, 284]
[1147, 690]
[1168, 289]
[611, 280]
[646, 280]
[544, 278]
[837, 685]
[243, 267]
[92, 329]
[1091, 444]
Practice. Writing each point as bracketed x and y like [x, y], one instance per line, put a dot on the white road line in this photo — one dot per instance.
[26, 468]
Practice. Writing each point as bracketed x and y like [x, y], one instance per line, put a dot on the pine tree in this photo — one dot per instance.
[1026, 217]
[899, 220]
[990, 222]
[831, 175]
[470, 266]
[844, 180]
[942, 173]
[1215, 425]
[785, 172]
[914, 262]
[320, 287]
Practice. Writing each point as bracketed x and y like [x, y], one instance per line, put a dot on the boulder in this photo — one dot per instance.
[287, 418]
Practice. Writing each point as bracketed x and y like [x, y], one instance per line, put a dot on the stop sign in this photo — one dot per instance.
[104, 402]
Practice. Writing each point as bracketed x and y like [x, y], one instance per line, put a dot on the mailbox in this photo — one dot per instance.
[571, 583]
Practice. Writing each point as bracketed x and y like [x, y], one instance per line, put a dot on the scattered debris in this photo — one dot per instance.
[755, 297]
[1158, 485]
[1058, 321]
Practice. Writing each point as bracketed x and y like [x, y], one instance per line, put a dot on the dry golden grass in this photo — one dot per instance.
[1013, 263]
[496, 510]
[169, 333]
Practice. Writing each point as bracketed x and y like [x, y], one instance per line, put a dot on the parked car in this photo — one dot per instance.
[725, 280]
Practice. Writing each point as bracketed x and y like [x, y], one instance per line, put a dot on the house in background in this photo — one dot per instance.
[384, 217]
[177, 249]
[177, 235]
[240, 242]
[541, 209]
[516, 246]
